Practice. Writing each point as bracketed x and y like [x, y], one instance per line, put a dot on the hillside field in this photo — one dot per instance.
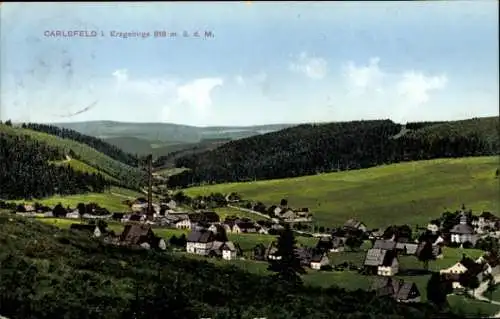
[404, 193]
[111, 200]
[85, 153]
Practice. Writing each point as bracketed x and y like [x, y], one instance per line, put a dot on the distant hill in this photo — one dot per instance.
[167, 132]
[315, 148]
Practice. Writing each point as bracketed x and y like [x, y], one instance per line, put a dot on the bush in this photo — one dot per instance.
[467, 245]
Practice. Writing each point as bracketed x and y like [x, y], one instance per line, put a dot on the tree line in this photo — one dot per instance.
[318, 148]
[94, 142]
[25, 171]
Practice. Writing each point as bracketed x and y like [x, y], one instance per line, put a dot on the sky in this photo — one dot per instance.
[252, 63]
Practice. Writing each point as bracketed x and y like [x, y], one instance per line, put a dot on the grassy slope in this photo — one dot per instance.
[111, 200]
[83, 167]
[347, 279]
[406, 193]
[86, 153]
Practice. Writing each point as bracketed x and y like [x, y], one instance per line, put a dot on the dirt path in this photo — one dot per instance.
[479, 294]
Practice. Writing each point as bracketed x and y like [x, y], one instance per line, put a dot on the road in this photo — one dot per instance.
[479, 294]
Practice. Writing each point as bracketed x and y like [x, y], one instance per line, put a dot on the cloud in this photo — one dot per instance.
[167, 95]
[312, 67]
[415, 86]
[198, 92]
[362, 78]
[396, 94]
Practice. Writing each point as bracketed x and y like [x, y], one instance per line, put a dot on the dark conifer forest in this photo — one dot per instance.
[318, 148]
[94, 142]
[25, 171]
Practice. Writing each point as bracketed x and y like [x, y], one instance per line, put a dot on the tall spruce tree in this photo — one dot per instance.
[288, 267]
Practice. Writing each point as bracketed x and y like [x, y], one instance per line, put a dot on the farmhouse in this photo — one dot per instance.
[376, 234]
[398, 289]
[463, 232]
[353, 224]
[318, 260]
[244, 227]
[199, 242]
[91, 229]
[141, 235]
[271, 252]
[73, 215]
[381, 262]
[466, 264]
[230, 250]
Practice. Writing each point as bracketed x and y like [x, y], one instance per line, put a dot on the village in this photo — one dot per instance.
[207, 235]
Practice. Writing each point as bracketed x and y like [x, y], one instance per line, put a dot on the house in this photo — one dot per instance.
[172, 204]
[407, 248]
[318, 260]
[91, 229]
[287, 215]
[216, 228]
[137, 218]
[244, 227]
[304, 254]
[376, 234]
[74, 214]
[463, 232]
[271, 252]
[263, 230]
[353, 224]
[210, 217]
[436, 250]
[432, 227]
[338, 245]
[484, 223]
[385, 244]
[229, 251]
[182, 221]
[117, 216]
[382, 262]
[398, 289]
[141, 235]
[466, 264]
[48, 214]
[259, 252]
[199, 242]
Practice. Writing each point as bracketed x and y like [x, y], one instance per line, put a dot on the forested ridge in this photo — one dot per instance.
[25, 171]
[316, 148]
[126, 175]
[52, 273]
[94, 142]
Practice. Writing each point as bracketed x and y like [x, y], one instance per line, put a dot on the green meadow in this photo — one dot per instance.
[404, 193]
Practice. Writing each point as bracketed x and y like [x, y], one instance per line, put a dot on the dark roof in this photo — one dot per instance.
[200, 236]
[352, 223]
[316, 257]
[398, 289]
[135, 217]
[83, 227]
[304, 254]
[436, 249]
[118, 215]
[462, 229]
[132, 234]
[210, 217]
[411, 248]
[245, 225]
[379, 257]
[337, 242]
[384, 244]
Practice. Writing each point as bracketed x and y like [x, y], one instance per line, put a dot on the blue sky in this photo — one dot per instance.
[267, 62]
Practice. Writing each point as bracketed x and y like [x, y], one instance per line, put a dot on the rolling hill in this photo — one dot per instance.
[127, 175]
[166, 132]
[405, 193]
[311, 149]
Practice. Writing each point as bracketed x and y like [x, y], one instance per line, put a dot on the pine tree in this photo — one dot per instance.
[288, 267]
